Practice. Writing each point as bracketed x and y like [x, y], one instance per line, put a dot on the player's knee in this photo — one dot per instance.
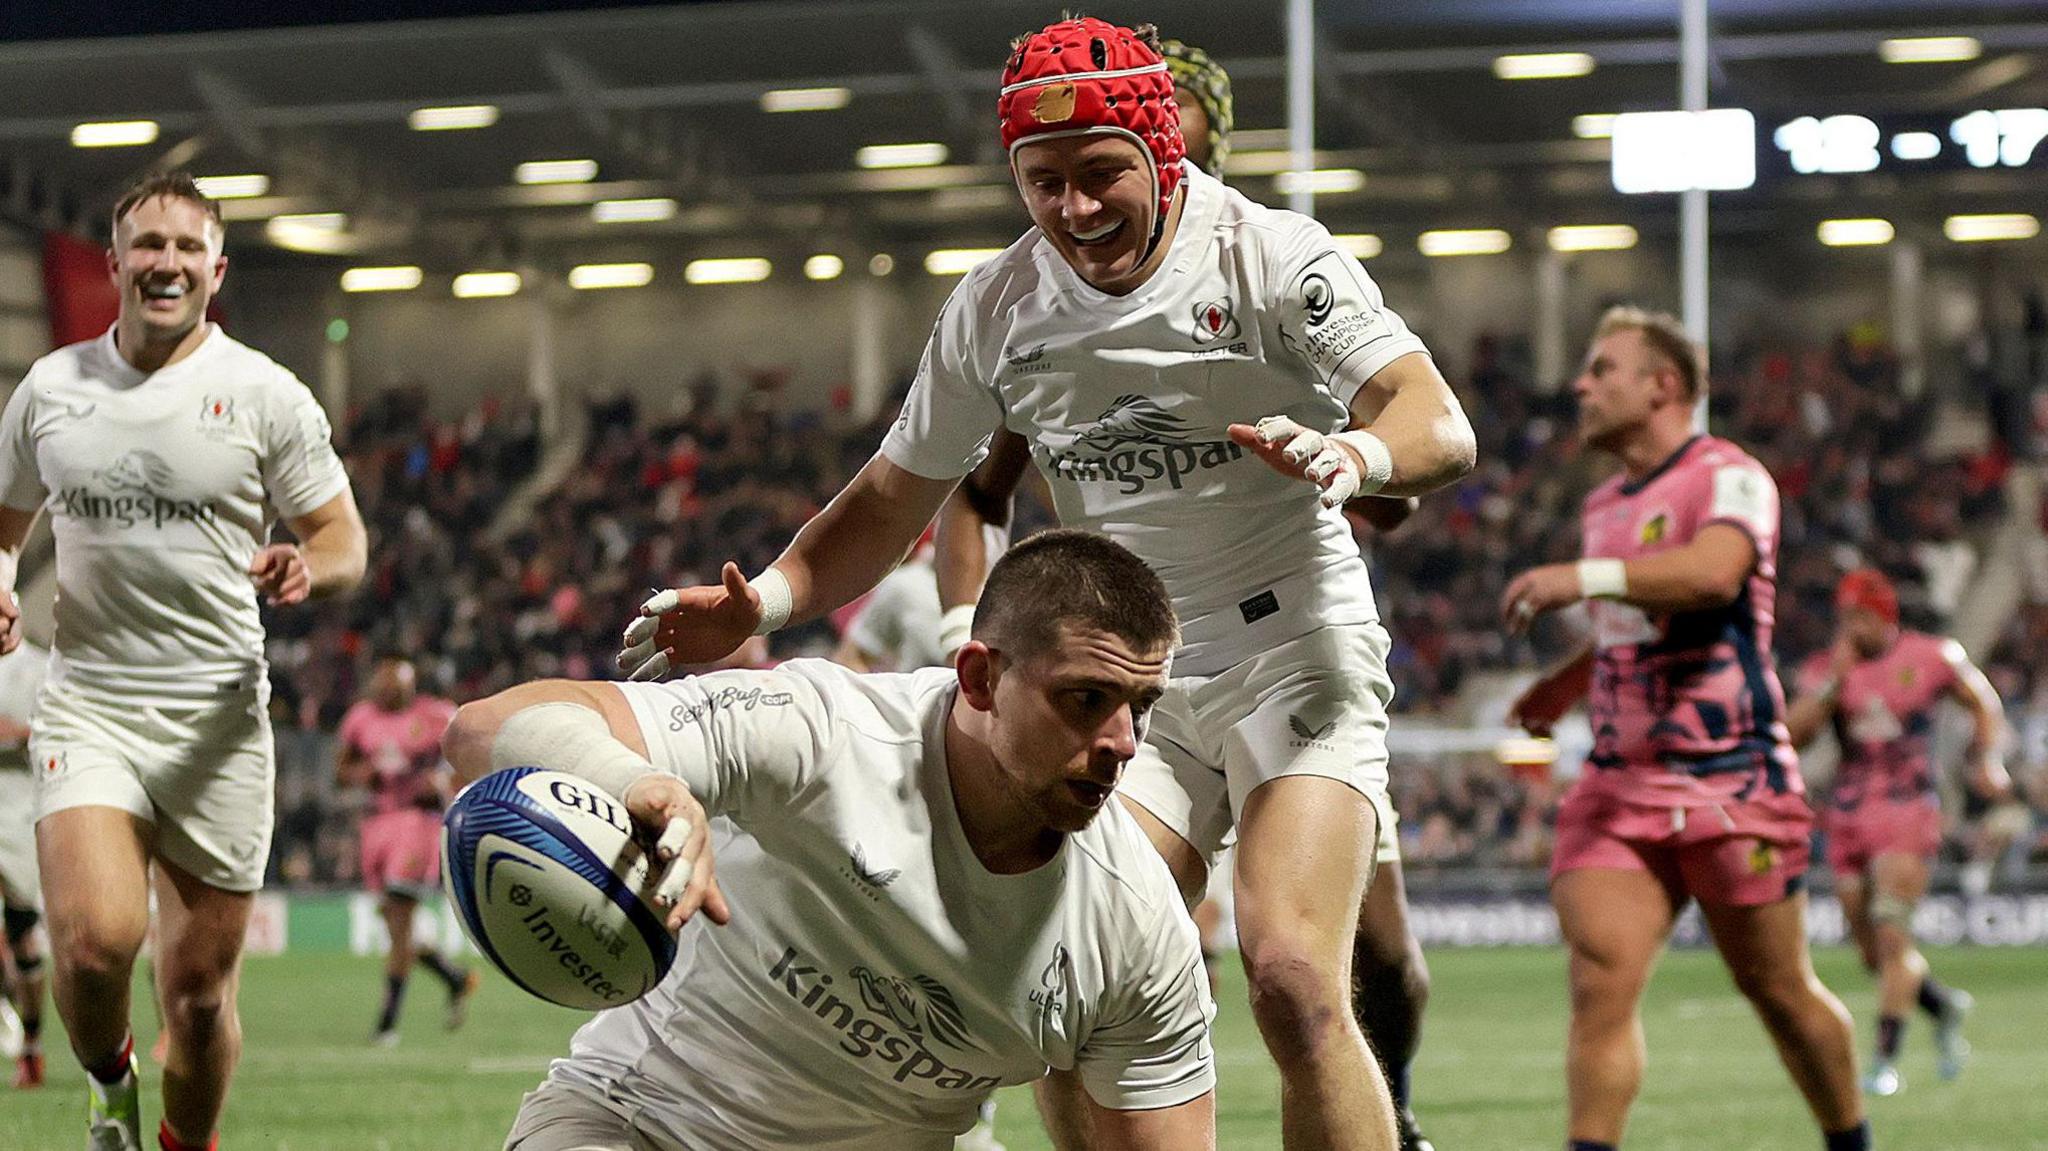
[1604, 986]
[198, 1007]
[1294, 1000]
[1401, 971]
[1776, 994]
[90, 956]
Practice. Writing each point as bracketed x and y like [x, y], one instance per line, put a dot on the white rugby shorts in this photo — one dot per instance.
[1315, 705]
[204, 775]
[20, 888]
[559, 1116]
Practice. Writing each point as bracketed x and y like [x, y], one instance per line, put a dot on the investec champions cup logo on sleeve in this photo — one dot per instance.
[1135, 443]
[1333, 325]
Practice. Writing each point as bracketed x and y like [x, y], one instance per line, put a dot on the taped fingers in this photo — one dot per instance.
[655, 667]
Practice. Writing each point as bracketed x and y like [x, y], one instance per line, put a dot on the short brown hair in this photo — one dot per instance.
[1068, 578]
[166, 185]
[1666, 335]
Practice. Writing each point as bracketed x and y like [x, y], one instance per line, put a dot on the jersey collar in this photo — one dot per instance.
[1633, 486]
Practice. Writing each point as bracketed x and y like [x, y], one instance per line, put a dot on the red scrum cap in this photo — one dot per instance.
[1868, 589]
[1085, 76]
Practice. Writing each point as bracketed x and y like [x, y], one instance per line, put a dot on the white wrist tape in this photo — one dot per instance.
[956, 627]
[571, 738]
[777, 601]
[1603, 579]
[1379, 462]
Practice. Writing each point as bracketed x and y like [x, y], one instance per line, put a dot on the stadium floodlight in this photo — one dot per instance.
[484, 285]
[1929, 49]
[1592, 238]
[1857, 233]
[1320, 181]
[232, 187]
[1677, 151]
[1994, 226]
[734, 270]
[309, 232]
[591, 277]
[823, 266]
[1593, 126]
[1464, 242]
[453, 117]
[1543, 65]
[805, 99]
[881, 264]
[400, 278]
[556, 172]
[633, 211]
[901, 155]
[114, 134]
[958, 261]
[1916, 145]
[1361, 245]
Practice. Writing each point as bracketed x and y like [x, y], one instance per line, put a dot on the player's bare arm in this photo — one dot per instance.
[846, 549]
[1408, 437]
[1985, 755]
[1706, 573]
[332, 553]
[986, 497]
[14, 528]
[588, 730]
[1553, 694]
[1813, 709]
[1190, 1126]
[351, 767]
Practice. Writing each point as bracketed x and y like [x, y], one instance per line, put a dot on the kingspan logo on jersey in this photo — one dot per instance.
[898, 1021]
[1136, 443]
[129, 492]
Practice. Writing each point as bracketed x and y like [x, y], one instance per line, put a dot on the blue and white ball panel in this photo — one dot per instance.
[547, 879]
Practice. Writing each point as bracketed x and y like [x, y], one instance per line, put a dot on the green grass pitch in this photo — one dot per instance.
[1490, 1076]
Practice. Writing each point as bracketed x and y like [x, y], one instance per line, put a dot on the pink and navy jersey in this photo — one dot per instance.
[1884, 719]
[1687, 708]
[403, 747]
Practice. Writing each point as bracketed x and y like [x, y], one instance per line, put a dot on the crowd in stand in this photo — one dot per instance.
[485, 593]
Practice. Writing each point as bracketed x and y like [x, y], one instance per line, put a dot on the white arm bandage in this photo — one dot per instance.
[956, 627]
[777, 601]
[1603, 579]
[571, 738]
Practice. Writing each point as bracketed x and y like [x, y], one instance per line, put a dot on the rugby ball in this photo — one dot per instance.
[548, 882]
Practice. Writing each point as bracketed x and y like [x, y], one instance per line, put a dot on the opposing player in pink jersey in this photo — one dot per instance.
[1879, 687]
[1692, 790]
[391, 743]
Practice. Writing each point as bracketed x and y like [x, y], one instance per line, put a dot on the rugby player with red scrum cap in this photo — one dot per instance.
[1206, 380]
[1879, 687]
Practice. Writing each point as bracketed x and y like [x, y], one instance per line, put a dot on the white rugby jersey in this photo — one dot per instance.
[901, 620]
[21, 680]
[156, 485]
[1125, 401]
[876, 982]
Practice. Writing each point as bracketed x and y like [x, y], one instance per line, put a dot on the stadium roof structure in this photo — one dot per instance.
[668, 101]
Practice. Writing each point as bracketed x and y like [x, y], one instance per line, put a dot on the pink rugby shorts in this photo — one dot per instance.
[1733, 853]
